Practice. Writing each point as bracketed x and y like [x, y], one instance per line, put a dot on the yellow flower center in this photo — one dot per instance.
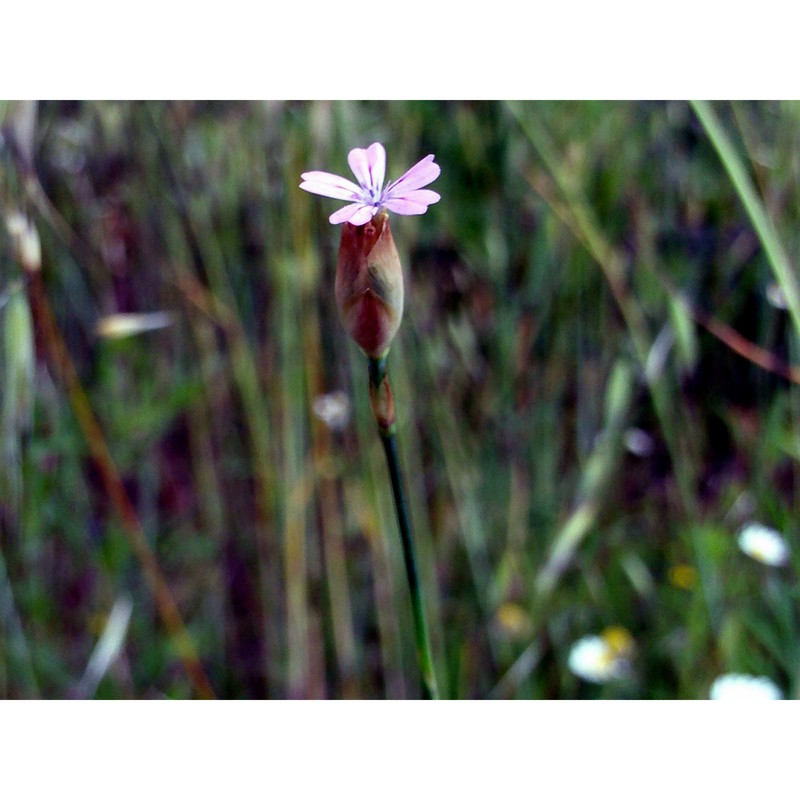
[683, 576]
[619, 641]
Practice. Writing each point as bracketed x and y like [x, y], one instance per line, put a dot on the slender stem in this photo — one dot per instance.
[420, 624]
[56, 351]
[383, 408]
[754, 206]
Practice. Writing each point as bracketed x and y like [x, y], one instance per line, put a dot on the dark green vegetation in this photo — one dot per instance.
[542, 325]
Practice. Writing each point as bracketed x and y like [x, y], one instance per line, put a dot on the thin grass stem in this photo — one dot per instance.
[56, 350]
[579, 216]
[383, 408]
[753, 205]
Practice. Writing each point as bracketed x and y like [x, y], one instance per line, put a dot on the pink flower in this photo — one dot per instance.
[403, 196]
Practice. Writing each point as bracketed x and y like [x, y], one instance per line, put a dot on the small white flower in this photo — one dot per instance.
[600, 659]
[763, 544]
[744, 687]
[333, 409]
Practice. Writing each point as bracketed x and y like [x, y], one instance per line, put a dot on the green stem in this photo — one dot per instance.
[377, 374]
[754, 206]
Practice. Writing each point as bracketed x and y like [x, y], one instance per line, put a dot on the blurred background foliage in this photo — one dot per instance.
[196, 502]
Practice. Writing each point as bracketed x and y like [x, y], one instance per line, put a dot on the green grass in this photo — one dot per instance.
[542, 323]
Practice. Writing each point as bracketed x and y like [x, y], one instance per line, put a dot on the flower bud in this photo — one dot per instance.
[369, 284]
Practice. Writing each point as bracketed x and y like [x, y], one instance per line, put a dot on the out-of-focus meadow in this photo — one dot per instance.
[592, 379]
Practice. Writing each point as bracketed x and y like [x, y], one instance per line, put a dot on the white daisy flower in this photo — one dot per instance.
[763, 544]
[603, 658]
[744, 687]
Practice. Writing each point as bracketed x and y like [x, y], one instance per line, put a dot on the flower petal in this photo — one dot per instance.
[344, 214]
[421, 174]
[355, 214]
[369, 166]
[764, 544]
[377, 164]
[409, 203]
[407, 207]
[735, 686]
[363, 215]
[329, 185]
[425, 196]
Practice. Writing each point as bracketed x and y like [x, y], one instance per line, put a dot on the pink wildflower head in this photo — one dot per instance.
[403, 196]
